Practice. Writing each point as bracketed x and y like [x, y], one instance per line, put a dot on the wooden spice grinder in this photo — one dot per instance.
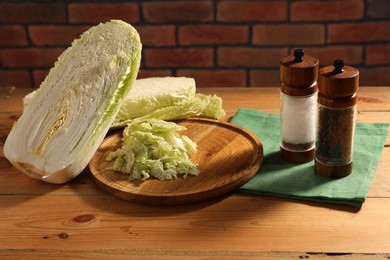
[337, 97]
[298, 76]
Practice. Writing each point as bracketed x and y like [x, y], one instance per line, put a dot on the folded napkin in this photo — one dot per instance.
[277, 177]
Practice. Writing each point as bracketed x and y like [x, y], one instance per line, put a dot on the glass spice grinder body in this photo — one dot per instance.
[336, 120]
[298, 104]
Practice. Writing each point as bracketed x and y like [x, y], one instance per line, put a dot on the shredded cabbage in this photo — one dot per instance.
[153, 148]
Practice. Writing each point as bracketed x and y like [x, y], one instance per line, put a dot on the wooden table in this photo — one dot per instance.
[79, 220]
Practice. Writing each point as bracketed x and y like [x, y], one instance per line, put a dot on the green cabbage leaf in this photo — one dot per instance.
[198, 105]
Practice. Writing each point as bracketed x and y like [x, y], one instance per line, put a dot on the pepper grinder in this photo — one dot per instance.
[298, 75]
[337, 96]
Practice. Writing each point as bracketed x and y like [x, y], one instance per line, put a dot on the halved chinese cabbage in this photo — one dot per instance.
[166, 98]
[73, 109]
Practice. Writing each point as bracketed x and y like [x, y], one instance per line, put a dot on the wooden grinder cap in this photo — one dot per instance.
[338, 84]
[298, 74]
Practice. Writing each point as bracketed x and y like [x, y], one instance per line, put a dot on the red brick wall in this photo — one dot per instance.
[219, 43]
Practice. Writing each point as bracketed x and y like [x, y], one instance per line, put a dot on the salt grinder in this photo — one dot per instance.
[337, 96]
[298, 75]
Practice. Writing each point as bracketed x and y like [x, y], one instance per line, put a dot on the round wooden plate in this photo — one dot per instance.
[227, 157]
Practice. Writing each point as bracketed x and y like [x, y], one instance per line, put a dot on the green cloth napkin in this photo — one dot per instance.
[277, 177]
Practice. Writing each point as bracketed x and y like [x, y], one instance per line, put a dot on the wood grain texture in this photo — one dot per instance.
[234, 223]
[181, 254]
[79, 220]
[298, 74]
[227, 156]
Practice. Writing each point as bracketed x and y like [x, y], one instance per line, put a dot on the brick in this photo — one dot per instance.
[352, 55]
[213, 34]
[147, 73]
[216, 78]
[157, 35]
[289, 34]
[251, 11]
[180, 57]
[378, 54]
[12, 35]
[374, 76]
[359, 32]
[264, 78]
[178, 11]
[338, 10]
[29, 57]
[32, 12]
[48, 35]
[102, 12]
[250, 57]
[378, 9]
[15, 78]
[39, 76]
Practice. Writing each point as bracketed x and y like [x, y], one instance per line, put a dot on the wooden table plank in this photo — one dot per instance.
[246, 223]
[77, 219]
[180, 254]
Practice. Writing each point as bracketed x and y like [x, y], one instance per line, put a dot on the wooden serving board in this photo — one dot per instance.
[227, 157]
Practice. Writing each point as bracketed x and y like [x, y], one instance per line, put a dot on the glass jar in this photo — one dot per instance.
[335, 135]
[297, 114]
